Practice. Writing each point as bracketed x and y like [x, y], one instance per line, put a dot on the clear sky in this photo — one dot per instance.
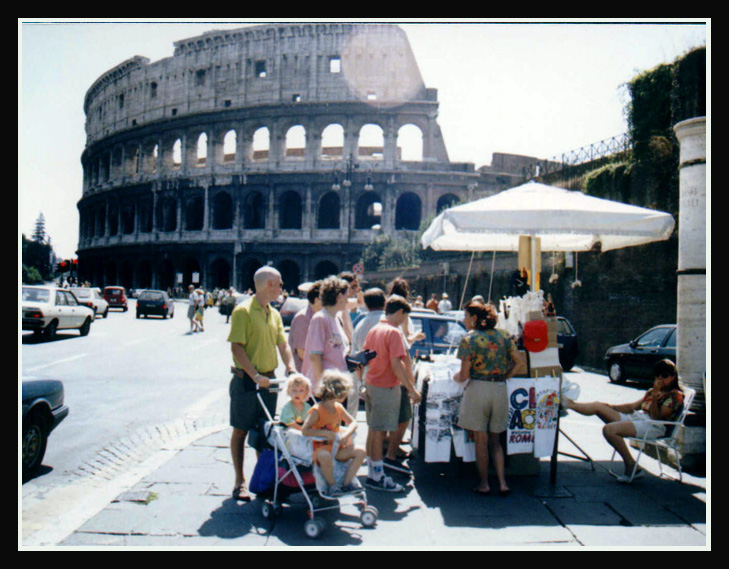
[538, 89]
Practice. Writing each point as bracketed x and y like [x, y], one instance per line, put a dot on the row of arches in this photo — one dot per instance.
[216, 272]
[171, 212]
[201, 149]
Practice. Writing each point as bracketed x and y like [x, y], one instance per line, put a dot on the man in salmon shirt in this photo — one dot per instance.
[385, 374]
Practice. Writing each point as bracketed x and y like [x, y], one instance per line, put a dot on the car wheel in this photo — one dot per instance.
[35, 440]
[50, 331]
[84, 330]
[616, 373]
[106, 312]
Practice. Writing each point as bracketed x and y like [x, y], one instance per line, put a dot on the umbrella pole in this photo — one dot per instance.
[533, 243]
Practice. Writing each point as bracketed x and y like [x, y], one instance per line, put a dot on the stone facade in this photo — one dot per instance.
[275, 144]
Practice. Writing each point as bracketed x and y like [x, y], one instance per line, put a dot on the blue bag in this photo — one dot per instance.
[264, 474]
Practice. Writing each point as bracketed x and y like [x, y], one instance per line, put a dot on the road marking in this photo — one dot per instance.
[63, 361]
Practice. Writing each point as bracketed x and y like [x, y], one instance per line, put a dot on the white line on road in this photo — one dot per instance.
[63, 361]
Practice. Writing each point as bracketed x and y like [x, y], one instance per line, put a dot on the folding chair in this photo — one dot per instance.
[669, 442]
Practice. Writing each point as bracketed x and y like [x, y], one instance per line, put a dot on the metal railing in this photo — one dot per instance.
[609, 147]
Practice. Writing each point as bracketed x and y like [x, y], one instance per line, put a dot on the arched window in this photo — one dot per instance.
[408, 212]
[261, 145]
[222, 211]
[332, 142]
[371, 142]
[410, 143]
[230, 143]
[195, 214]
[177, 154]
[445, 201]
[296, 143]
[328, 214]
[254, 211]
[290, 211]
[202, 150]
[368, 213]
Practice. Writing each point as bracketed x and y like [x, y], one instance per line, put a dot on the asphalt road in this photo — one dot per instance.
[124, 381]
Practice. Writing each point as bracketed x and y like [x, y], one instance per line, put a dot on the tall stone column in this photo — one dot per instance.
[691, 344]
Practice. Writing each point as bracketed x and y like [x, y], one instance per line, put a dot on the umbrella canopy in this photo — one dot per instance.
[564, 220]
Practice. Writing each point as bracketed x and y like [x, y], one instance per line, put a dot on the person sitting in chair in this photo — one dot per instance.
[663, 402]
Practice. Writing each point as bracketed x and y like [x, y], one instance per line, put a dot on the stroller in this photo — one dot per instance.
[295, 470]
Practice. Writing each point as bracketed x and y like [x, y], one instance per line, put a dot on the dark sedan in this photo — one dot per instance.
[43, 409]
[635, 360]
[567, 342]
[441, 333]
[155, 302]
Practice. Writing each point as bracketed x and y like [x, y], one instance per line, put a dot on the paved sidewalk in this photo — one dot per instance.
[186, 502]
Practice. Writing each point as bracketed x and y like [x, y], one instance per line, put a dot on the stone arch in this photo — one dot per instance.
[368, 211]
[254, 211]
[327, 216]
[332, 142]
[410, 143]
[220, 273]
[371, 142]
[408, 211]
[222, 211]
[290, 274]
[324, 269]
[295, 143]
[445, 201]
[290, 210]
[194, 213]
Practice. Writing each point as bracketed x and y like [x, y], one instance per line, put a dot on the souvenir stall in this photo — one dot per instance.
[528, 220]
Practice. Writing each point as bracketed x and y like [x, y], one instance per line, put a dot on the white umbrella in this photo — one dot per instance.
[564, 220]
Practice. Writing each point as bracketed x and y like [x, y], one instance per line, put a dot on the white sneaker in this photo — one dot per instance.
[625, 478]
[385, 484]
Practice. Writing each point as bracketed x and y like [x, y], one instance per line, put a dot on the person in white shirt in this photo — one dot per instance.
[444, 305]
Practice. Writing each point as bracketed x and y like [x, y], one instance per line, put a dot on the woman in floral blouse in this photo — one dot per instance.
[663, 402]
[488, 358]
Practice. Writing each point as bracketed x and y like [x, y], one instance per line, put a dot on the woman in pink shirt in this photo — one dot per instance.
[326, 342]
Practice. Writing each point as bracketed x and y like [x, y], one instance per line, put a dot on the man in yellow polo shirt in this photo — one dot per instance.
[256, 333]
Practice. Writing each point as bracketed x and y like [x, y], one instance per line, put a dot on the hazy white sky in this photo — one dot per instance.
[527, 88]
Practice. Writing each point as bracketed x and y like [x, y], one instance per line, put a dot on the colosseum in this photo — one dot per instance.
[293, 145]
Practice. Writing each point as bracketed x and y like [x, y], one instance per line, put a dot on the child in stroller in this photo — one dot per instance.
[324, 421]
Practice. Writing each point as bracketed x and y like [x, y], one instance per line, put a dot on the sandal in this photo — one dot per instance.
[240, 493]
[480, 492]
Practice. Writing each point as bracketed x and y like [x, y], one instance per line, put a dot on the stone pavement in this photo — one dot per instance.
[186, 502]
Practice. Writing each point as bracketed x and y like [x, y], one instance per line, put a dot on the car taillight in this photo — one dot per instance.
[34, 314]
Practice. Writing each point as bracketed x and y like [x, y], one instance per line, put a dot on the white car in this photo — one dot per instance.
[92, 298]
[48, 308]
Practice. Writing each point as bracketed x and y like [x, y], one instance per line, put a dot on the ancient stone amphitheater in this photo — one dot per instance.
[293, 145]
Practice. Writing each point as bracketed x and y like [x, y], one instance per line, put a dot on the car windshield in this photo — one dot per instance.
[36, 294]
[147, 295]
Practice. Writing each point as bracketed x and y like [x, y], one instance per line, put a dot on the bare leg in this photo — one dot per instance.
[614, 433]
[482, 459]
[606, 413]
[237, 448]
[497, 454]
[325, 461]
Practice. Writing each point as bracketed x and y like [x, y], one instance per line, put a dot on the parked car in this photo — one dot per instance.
[116, 296]
[567, 343]
[48, 309]
[155, 302]
[43, 409]
[92, 298]
[635, 360]
[290, 307]
[441, 333]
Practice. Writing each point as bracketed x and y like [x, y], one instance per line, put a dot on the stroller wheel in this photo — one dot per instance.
[268, 510]
[314, 528]
[368, 517]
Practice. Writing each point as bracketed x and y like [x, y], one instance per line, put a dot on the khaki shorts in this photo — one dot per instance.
[382, 407]
[484, 407]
